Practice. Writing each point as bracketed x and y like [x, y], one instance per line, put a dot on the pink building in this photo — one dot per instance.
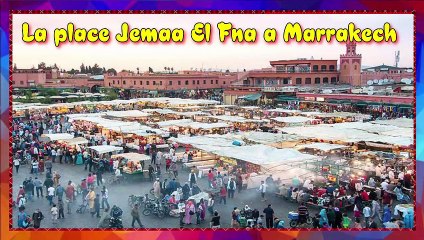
[170, 81]
[25, 78]
[386, 72]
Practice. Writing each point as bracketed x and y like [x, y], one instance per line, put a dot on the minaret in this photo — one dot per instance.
[350, 66]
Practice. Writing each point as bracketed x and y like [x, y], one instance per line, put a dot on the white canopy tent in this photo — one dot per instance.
[56, 136]
[105, 149]
[171, 123]
[134, 157]
[127, 114]
[76, 141]
[293, 119]
[322, 146]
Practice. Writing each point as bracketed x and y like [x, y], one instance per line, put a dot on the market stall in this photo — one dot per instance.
[134, 166]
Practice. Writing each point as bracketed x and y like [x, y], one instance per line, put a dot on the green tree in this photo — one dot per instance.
[112, 70]
[90, 70]
[15, 67]
[42, 65]
[82, 68]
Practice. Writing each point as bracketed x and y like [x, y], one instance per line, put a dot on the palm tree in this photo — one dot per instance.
[172, 69]
[165, 68]
[138, 72]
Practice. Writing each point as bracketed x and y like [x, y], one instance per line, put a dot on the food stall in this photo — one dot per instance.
[103, 151]
[134, 166]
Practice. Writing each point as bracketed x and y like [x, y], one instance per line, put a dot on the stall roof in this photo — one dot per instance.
[199, 125]
[76, 141]
[190, 114]
[282, 110]
[322, 146]
[398, 122]
[238, 119]
[329, 133]
[57, 136]
[159, 110]
[127, 114]
[134, 157]
[174, 123]
[293, 119]
[105, 148]
[225, 106]
[264, 155]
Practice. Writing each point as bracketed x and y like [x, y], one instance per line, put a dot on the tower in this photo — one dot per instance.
[350, 66]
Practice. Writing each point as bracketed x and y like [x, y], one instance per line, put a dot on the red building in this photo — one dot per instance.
[170, 81]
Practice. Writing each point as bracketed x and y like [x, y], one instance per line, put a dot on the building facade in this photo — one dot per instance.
[171, 81]
[350, 66]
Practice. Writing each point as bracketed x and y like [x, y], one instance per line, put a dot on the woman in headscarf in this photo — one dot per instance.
[203, 211]
[91, 196]
[323, 217]
[79, 159]
[387, 214]
[189, 212]
[408, 218]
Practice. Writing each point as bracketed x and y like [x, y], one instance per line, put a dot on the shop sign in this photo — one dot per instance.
[309, 98]
[320, 99]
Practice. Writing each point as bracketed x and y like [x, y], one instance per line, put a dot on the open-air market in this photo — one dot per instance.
[195, 163]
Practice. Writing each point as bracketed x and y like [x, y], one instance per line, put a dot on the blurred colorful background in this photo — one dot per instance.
[328, 5]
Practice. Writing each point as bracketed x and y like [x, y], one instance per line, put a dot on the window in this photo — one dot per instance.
[154, 83]
[323, 68]
[124, 82]
[325, 80]
[315, 68]
[160, 83]
[344, 67]
[186, 82]
[333, 80]
[299, 81]
[204, 81]
[198, 82]
[141, 83]
[308, 81]
[179, 83]
[118, 81]
[332, 68]
[356, 67]
[170, 83]
[22, 82]
[317, 80]
[194, 82]
[224, 82]
[211, 81]
[109, 84]
[113, 81]
[285, 81]
[147, 83]
[135, 83]
[216, 81]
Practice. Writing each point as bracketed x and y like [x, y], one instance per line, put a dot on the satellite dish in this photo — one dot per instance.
[380, 82]
[370, 88]
[370, 82]
[375, 81]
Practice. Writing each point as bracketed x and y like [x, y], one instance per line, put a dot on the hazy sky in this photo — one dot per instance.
[214, 55]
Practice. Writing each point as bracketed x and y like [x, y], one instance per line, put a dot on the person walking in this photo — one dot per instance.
[231, 188]
[223, 195]
[105, 197]
[50, 195]
[135, 216]
[211, 202]
[54, 211]
[156, 188]
[16, 163]
[48, 182]
[37, 217]
[269, 216]
[38, 187]
[376, 210]
[91, 196]
[29, 189]
[99, 177]
[69, 193]
[262, 190]
[189, 212]
[215, 221]
[192, 178]
[96, 206]
[61, 209]
[48, 165]
[60, 191]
